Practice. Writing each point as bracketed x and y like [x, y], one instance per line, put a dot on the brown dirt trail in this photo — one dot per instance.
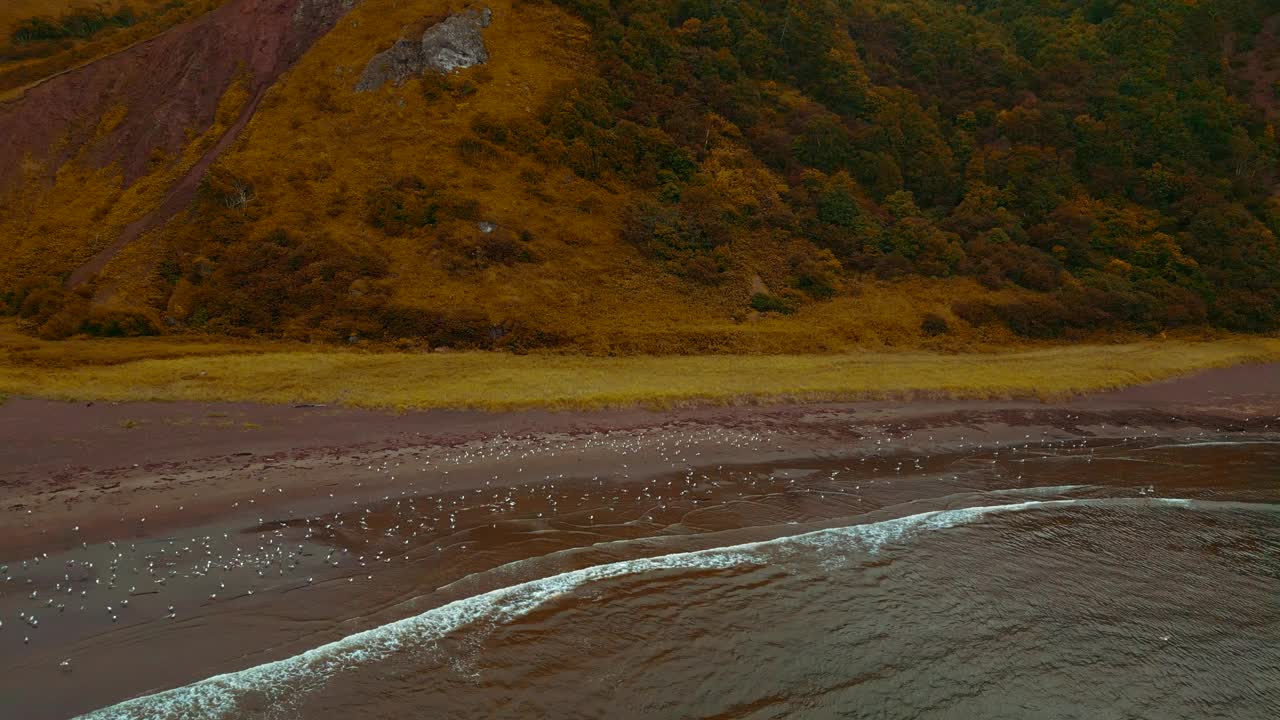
[179, 197]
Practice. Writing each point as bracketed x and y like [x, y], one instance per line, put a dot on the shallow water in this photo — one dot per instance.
[1124, 580]
[955, 622]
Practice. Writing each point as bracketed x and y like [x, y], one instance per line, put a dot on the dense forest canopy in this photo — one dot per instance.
[1096, 150]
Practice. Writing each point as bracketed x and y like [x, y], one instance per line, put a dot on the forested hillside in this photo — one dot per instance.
[701, 175]
[1096, 151]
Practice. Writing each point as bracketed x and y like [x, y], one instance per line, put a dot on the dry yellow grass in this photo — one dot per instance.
[60, 227]
[501, 382]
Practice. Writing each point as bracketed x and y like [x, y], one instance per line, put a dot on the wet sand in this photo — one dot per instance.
[106, 466]
[77, 477]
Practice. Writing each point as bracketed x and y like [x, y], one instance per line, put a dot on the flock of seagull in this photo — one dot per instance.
[682, 480]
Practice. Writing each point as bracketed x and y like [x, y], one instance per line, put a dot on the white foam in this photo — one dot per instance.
[1040, 490]
[1209, 443]
[281, 681]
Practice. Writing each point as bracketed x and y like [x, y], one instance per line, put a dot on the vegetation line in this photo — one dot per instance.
[81, 23]
[497, 381]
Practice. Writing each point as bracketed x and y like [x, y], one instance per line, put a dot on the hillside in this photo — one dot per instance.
[654, 176]
[42, 38]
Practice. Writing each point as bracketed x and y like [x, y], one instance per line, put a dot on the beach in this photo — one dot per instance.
[95, 494]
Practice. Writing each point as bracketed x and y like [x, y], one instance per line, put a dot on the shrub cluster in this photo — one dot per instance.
[79, 23]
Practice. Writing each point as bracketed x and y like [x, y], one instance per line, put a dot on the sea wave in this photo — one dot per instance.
[1208, 443]
[277, 683]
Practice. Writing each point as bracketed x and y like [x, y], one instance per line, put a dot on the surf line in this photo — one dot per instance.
[278, 683]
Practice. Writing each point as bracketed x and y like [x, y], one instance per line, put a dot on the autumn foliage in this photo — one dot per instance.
[683, 172]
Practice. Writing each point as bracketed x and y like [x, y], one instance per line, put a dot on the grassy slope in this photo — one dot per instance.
[338, 145]
[315, 145]
[160, 369]
[588, 284]
[86, 208]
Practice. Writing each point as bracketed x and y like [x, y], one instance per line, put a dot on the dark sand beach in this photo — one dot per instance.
[271, 531]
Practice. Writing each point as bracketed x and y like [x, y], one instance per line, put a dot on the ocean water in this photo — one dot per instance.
[1129, 580]
[1011, 620]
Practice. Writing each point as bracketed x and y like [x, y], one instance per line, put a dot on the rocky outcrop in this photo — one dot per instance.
[450, 45]
[320, 15]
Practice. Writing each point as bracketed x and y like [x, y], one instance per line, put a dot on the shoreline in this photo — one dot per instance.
[119, 470]
[187, 493]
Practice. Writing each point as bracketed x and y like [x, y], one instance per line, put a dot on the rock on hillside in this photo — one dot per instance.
[450, 45]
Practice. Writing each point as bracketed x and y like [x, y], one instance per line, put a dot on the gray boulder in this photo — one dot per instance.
[450, 45]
